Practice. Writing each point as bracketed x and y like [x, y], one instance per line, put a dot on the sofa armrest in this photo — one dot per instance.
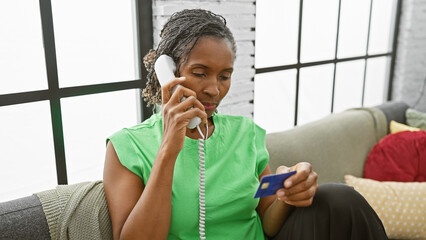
[23, 218]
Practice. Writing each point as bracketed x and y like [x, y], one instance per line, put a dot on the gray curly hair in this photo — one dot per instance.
[178, 37]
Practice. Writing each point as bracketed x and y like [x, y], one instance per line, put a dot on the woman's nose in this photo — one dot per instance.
[212, 89]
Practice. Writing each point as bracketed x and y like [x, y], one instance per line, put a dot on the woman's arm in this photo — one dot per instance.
[272, 211]
[299, 191]
[135, 215]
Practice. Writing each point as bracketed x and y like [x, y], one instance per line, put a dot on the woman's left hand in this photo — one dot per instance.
[300, 188]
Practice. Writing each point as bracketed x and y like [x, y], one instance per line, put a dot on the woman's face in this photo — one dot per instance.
[208, 70]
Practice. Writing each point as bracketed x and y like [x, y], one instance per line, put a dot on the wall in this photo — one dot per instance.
[240, 16]
[410, 68]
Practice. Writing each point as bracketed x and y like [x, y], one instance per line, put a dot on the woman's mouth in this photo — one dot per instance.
[209, 106]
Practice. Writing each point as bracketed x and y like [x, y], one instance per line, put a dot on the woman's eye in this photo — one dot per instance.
[199, 74]
[223, 77]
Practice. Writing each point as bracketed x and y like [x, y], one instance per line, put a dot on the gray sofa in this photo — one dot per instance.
[335, 145]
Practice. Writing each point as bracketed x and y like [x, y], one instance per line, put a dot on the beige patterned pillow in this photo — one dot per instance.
[400, 205]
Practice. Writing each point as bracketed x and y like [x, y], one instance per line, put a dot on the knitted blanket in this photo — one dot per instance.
[77, 211]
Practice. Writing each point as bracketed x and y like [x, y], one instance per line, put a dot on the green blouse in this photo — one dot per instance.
[235, 157]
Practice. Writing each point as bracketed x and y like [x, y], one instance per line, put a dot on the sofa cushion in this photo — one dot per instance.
[415, 118]
[398, 157]
[394, 111]
[396, 127]
[400, 206]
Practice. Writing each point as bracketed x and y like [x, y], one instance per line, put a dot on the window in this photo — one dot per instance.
[21, 47]
[314, 58]
[27, 150]
[67, 83]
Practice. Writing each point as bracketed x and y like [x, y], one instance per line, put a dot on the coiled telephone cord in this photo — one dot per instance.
[202, 190]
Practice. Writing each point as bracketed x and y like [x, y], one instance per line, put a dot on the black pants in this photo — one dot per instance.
[338, 212]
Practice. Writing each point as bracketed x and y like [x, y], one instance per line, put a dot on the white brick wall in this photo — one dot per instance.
[410, 68]
[240, 17]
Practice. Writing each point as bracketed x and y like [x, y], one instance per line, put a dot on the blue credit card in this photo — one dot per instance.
[271, 183]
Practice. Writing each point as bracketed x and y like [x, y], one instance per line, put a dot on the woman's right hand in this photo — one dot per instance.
[177, 114]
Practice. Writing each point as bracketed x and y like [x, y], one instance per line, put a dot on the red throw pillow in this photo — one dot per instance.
[398, 157]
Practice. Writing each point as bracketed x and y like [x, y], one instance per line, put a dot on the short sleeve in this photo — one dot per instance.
[125, 148]
[262, 155]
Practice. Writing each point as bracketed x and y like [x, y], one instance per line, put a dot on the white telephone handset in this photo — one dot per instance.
[165, 68]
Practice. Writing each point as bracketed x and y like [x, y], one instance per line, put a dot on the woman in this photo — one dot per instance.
[151, 175]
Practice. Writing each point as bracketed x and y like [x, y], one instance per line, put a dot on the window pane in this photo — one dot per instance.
[27, 163]
[375, 82]
[381, 26]
[315, 88]
[94, 49]
[319, 30]
[277, 24]
[348, 88]
[353, 28]
[274, 100]
[88, 121]
[22, 64]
